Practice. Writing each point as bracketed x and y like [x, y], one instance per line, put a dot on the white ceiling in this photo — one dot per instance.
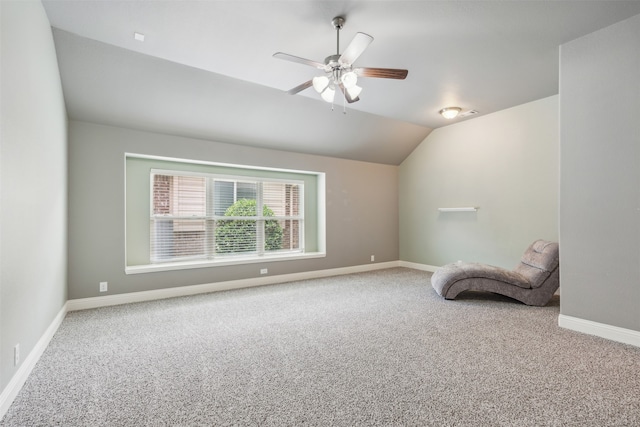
[206, 69]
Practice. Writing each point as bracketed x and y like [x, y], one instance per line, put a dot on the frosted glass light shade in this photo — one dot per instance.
[349, 79]
[353, 91]
[328, 94]
[320, 83]
[450, 112]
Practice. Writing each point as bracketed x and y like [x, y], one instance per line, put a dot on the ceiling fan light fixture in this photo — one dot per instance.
[349, 79]
[353, 91]
[320, 83]
[450, 112]
[328, 94]
[340, 73]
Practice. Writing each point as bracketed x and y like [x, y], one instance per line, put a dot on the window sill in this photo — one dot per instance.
[186, 265]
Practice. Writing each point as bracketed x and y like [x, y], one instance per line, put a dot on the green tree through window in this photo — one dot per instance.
[237, 235]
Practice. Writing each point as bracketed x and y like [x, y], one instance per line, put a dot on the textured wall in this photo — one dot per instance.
[600, 176]
[506, 164]
[33, 204]
[361, 208]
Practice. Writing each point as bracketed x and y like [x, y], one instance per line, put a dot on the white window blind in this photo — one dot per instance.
[209, 216]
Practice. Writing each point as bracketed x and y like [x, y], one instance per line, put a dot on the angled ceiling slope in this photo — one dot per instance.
[206, 68]
[106, 84]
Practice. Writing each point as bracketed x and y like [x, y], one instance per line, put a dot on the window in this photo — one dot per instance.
[184, 214]
[207, 216]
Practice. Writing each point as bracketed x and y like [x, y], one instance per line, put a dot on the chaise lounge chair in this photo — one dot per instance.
[533, 281]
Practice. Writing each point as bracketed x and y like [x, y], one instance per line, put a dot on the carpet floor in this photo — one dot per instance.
[373, 349]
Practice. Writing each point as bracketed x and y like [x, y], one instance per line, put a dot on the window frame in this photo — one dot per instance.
[210, 216]
[316, 181]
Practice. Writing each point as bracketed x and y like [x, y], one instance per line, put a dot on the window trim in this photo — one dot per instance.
[260, 181]
[320, 212]
[237, 260]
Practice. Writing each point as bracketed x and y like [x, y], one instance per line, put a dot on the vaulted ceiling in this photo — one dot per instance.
[205, 68]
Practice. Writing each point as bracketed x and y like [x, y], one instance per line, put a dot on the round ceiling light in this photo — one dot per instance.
[450, 112]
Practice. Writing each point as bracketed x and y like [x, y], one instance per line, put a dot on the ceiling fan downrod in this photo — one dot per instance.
[338, 23]
[333, 61]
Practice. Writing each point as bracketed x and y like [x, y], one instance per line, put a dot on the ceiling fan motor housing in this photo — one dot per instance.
[332, 61]
[335, 69]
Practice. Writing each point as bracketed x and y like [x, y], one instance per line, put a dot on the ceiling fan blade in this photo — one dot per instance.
[287, 57]
[355, 48]
[300, 88]
[382, 73]
[347, 96]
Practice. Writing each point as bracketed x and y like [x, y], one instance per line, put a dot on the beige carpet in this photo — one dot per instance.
[379, 348]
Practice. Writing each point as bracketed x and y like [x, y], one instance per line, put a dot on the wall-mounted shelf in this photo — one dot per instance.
[466, 209]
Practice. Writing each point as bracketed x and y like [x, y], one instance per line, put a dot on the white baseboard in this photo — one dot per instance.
[109, 300]
[13, 388]
[416, 266]
[614, 333]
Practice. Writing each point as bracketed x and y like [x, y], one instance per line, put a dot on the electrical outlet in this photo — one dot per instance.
[16, 355]
[104, 286]
[373, 258]
[263, 271]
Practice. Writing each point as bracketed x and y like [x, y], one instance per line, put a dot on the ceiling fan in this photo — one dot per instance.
[340, 72]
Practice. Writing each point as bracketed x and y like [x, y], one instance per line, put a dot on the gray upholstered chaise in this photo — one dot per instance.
[533, 281]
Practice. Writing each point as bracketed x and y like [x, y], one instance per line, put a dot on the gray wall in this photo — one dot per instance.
[33, 180]
[506, 164]
[600, 176]
[361, 208]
